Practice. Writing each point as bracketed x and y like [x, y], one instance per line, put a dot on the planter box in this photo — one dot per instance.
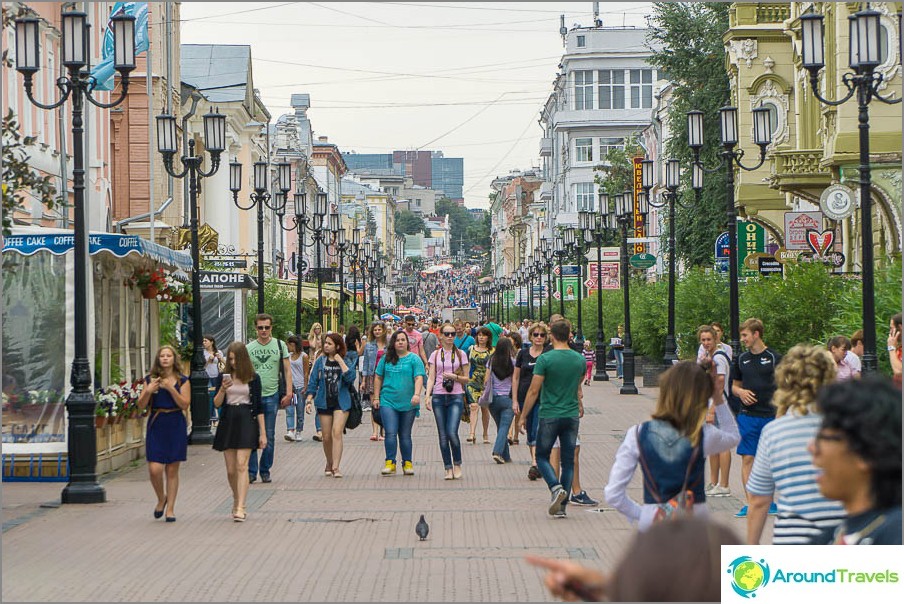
[651, 374]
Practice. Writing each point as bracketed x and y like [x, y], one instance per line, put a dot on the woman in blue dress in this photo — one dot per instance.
[166, 396]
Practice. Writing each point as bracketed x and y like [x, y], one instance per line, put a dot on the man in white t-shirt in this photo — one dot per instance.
[524, 330]
[719, 464]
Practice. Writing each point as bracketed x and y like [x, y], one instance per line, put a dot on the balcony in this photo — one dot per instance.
[546, 191]
[545, 147]
[773, 12]
[797, 169]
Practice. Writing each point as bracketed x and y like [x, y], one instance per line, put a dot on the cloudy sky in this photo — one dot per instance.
[468, 79]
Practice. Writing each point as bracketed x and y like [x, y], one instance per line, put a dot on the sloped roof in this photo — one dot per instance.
[219, 71]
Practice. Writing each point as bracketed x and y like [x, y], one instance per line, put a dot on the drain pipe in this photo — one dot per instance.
[152, 215]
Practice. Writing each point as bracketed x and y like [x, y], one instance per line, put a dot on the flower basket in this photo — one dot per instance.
[150, 292]
[100, 421]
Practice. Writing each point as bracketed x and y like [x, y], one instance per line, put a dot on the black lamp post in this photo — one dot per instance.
[599, 230]
[82, 444]
[299, 223]
[260, 198]
[320, 208]
[560, 253]
[353, 251]
[215, 142]
[672, 180]
[624, 207]
[864, 56]
[538, 271]
[762, 136]
[574, 240]
[341, 248]
[547, 253]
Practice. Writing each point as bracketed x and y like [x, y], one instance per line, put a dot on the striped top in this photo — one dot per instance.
[589, 355]
[783, 466]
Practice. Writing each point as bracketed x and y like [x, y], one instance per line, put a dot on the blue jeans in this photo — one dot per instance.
[212, 392]
[619, 361]
[447, 409]
[533, 424]
[502, 413]
[271, 406]
[566, 430]
[397, 425]
[295, 412]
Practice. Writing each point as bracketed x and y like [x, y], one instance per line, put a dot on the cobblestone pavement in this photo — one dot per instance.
[313, 538]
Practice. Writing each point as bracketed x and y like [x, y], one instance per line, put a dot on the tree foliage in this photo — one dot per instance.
[460, 225]
[19, 179]
[370, 230]
[686, 43]
[408, 223]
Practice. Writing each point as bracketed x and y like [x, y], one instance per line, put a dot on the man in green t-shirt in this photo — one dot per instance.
[266, 354]
[557, 380]
[495, 329]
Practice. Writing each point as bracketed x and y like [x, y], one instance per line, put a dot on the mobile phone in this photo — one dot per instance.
[227, 376]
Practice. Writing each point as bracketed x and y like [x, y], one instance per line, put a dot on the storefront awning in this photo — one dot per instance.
[30, 240]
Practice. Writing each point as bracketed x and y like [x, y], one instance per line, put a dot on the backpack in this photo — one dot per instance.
[682, 504]
[734, 403]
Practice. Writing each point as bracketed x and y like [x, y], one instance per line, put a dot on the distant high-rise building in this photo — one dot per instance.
[429, 169]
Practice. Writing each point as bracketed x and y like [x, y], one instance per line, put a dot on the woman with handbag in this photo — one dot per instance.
[328, 391]
[449, 366]
[478, 357]
[166, 397]
[497, 396]
[673, 446]
[213, 365]
[397, 395]
[242, 428]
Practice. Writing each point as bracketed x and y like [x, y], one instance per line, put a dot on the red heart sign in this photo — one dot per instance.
[820, 242]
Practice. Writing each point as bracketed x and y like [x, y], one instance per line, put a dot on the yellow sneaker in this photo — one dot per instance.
[389, 468]
[408, 468]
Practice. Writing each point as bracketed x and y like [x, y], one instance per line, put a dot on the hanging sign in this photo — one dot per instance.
[820, 241]
[639, 226]
[796, 226]
[837, 202]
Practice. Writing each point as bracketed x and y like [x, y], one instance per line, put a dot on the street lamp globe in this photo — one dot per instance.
[812, 56]
[864, 33]
[301, 202]
[260, 177]
[75, 42]
[123, 42]
[646, 171]
[672, 173]
[215, 132]
[27, 45]
[695, 129]
[729, 123]
[235, 176]
[762, 127]
[166, 134]
[284, 171]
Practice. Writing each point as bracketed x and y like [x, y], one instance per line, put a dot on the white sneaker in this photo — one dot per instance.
[709, 488]
[720, 491]
[290, 436]
[558, 496]
[298, 437]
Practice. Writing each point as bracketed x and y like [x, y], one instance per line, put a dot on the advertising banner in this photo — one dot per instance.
[639, 227]
[796, 226]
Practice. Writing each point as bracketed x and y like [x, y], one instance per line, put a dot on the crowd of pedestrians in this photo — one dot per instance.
[820, 446]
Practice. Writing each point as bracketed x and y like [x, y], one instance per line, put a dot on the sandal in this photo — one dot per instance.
[337, 473]
[239, 515]
[374, 437]
[472, 439]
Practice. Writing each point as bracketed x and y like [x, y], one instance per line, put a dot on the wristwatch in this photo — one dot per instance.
[890, 348]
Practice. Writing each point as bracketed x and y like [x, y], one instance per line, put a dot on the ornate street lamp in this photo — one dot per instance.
[82, 444]
[574, 243]
[600, 229]
[672, 181]
[560, 253]
[762, 136]
[260, 198]
[624, 208]
[341, 247]
[299, 224]
[864, 56]
[215, 143]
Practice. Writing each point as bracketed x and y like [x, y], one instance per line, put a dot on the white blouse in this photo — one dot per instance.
[715, 440]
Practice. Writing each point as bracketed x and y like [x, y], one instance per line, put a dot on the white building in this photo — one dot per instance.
[602, 95]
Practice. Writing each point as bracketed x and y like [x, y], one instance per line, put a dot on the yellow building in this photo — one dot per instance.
[814, 145]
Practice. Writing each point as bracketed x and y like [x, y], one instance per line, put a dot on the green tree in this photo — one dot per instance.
[370, 230]
[477, 236]
[459, 222]
[18, 177]
[408, 223]
[686, 42]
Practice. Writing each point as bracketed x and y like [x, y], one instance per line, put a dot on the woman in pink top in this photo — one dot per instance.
[447, 374]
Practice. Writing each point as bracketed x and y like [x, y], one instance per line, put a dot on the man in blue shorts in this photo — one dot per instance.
[753, 381]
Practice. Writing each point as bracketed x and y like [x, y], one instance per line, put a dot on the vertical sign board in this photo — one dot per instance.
[751, 240]
[723, 252]
[607, 275]
[639, 228]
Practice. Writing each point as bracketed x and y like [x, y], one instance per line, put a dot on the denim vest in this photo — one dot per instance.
[667, 455]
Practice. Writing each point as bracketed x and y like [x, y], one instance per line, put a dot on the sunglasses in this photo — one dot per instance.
[448, 333]
[538, 335]
[264, 327]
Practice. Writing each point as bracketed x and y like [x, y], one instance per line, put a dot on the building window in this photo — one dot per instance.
[612, 89]
[582, 42]
[583, 196]
[641, 88]
[583, 149]
[608, 144]
[583, 90]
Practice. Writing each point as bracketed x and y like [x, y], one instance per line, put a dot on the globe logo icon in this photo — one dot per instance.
[748, 575]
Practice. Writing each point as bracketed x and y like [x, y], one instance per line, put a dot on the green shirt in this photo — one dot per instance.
[496, 330]
[266, 360]
[398, 381]
[562, 372]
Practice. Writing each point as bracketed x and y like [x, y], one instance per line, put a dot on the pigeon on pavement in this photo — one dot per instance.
[422, 528]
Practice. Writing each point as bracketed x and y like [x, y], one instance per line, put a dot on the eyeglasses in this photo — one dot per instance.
[448, 333]
[538, 335]
[264, 327]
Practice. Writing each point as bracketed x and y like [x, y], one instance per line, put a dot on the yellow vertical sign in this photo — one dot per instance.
[639, 227]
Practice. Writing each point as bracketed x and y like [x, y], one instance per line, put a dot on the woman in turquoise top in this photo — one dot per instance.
[397, 394]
